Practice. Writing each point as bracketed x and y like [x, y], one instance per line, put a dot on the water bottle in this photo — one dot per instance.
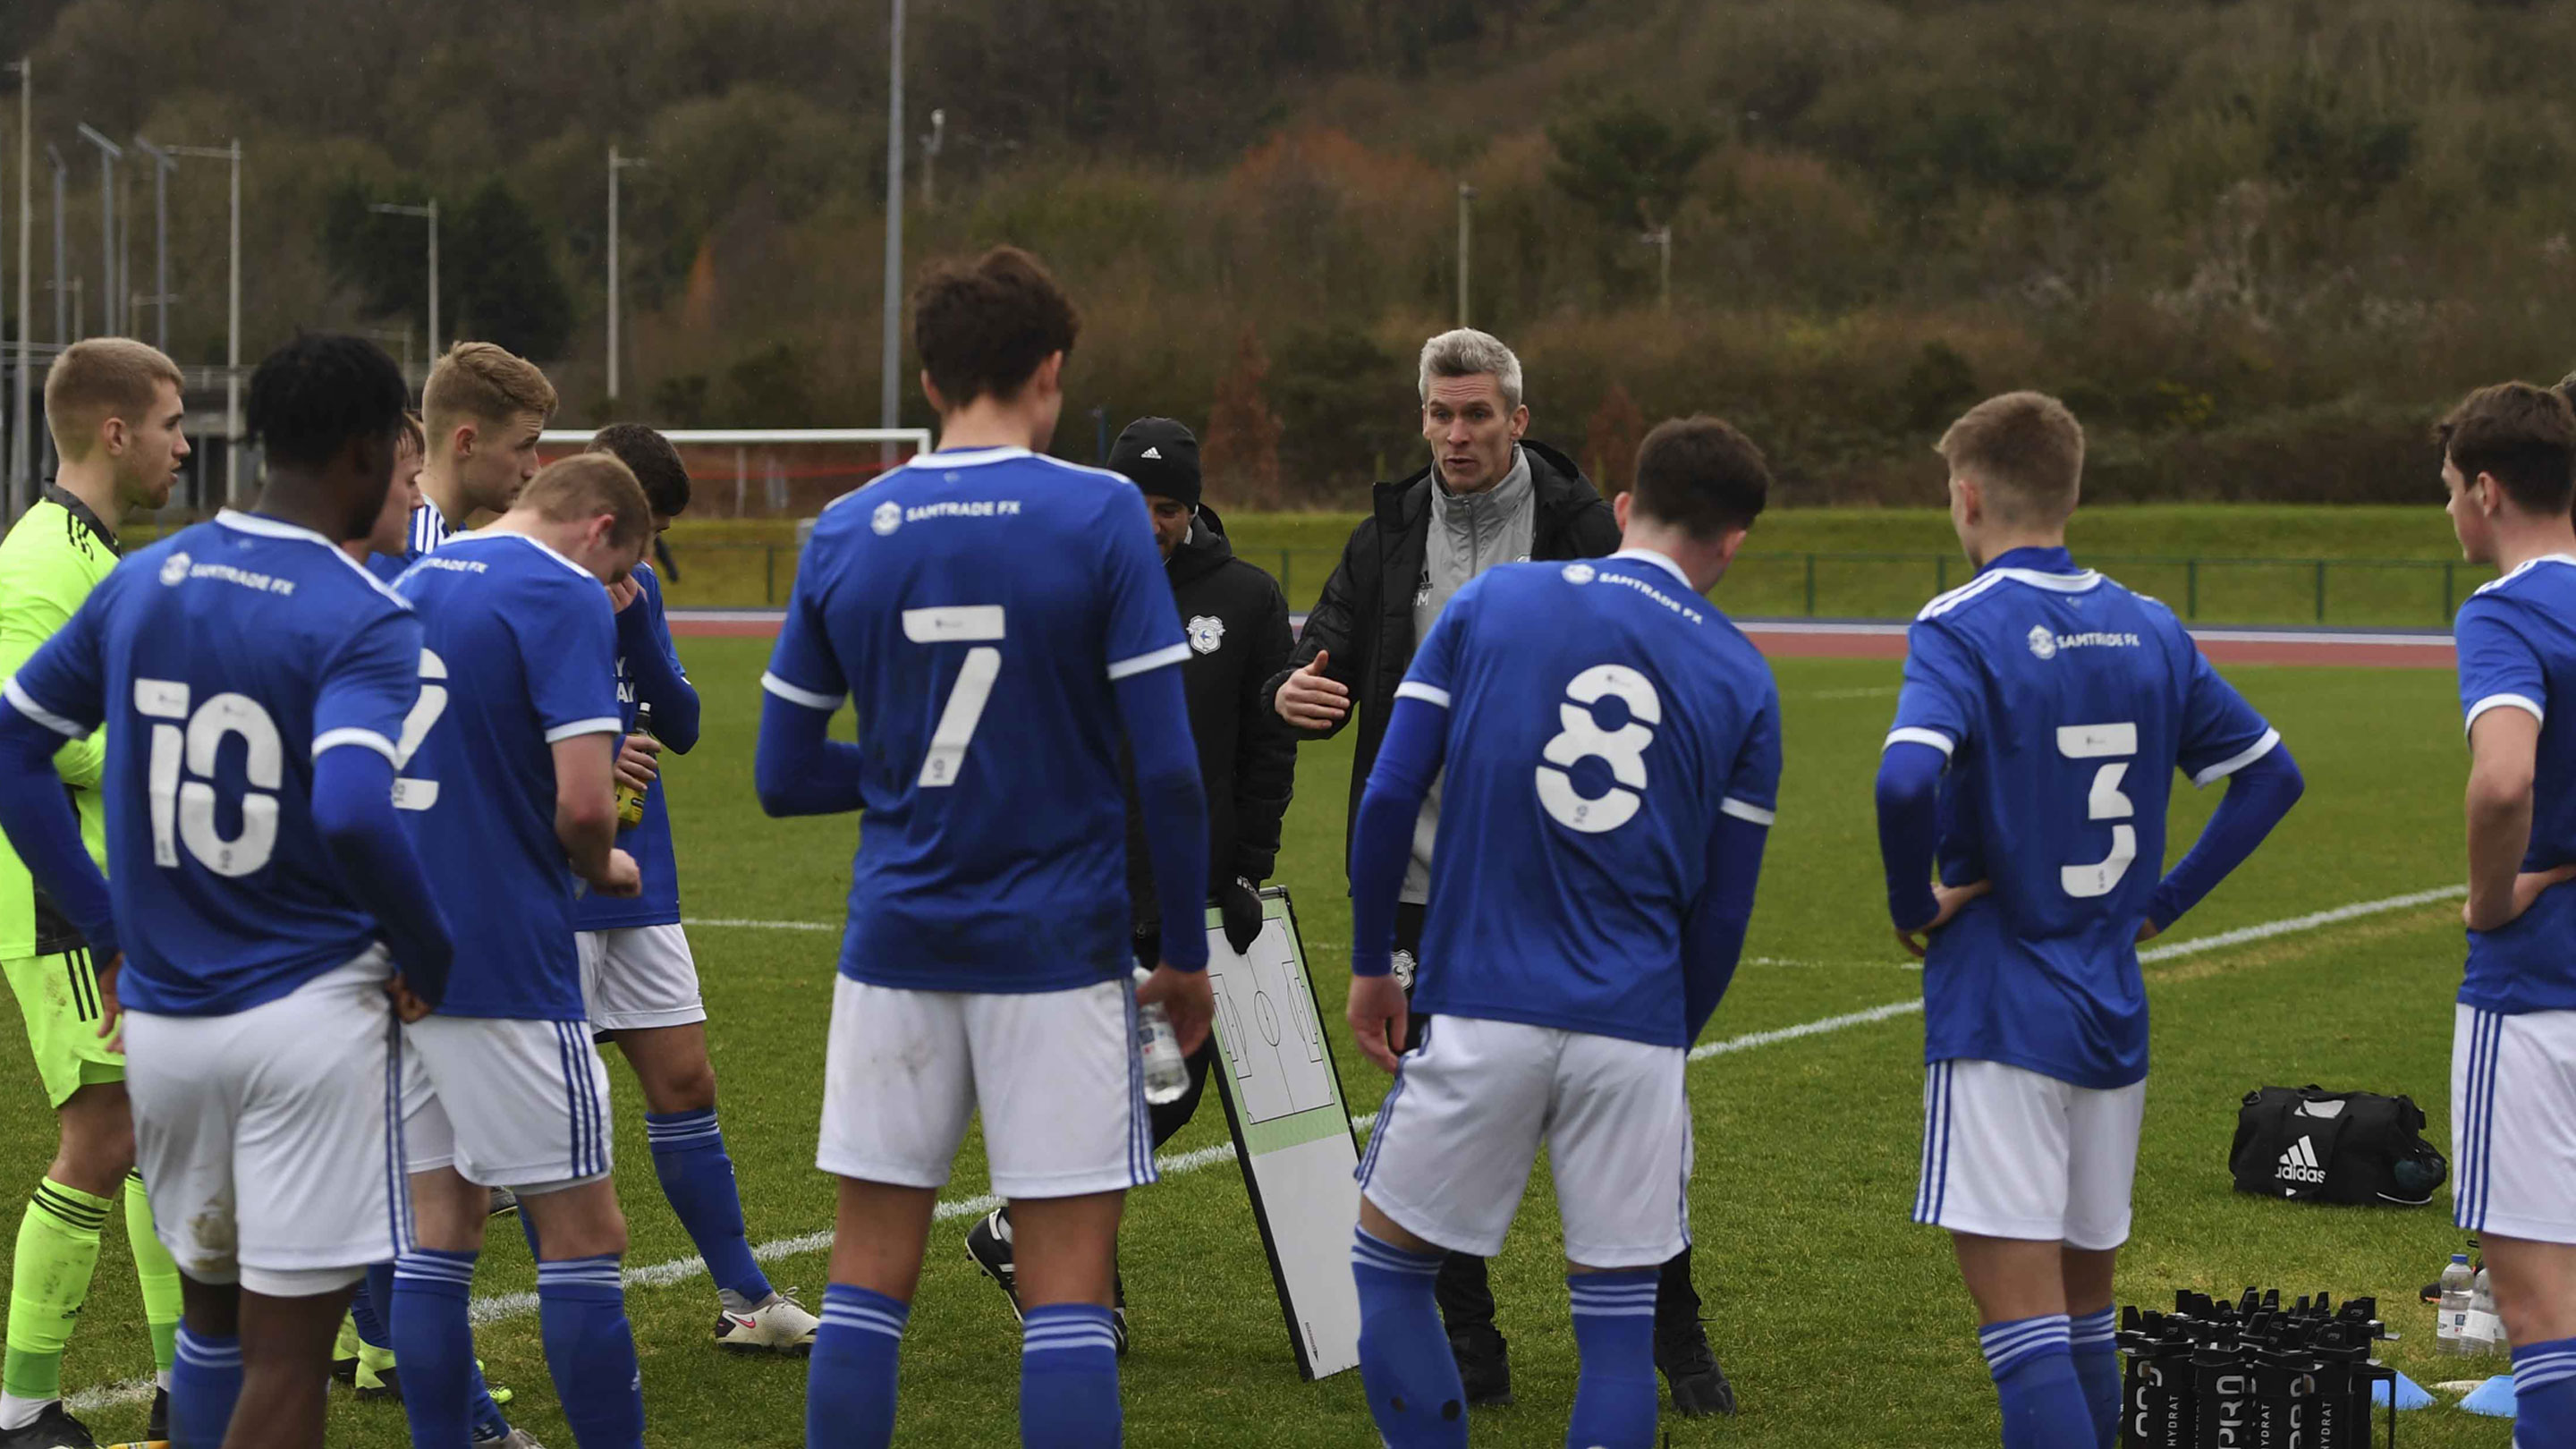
[2457, 1285]
[2483, 1332]
[630, 801]
[1167, 1076]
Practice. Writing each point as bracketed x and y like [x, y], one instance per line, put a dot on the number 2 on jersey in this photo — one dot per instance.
[2117, 743]
[958, 624]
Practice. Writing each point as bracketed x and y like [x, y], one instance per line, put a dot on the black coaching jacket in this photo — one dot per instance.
[1365, 616]
[1236, 622]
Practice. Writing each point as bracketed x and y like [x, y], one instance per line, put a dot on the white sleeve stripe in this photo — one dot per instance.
[1428, 694]
[1746, 810]
[26, 705]
[1937, 740]
[798, 694]
[605, 725]
[2522, 702]
[1156, 660]
[333, 739]
[2224, 768]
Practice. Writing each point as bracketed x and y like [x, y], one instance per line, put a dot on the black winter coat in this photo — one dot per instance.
[1365, 616]
[1236, 622]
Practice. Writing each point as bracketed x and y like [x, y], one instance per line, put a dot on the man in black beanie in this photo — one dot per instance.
[1236, 621]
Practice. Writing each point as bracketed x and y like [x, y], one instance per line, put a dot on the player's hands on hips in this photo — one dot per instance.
[1950, 899]
[2527, 889]
[111, 1012]
[639, 762]
[624, 592]
[2148, 930]
[1238, 907]
[407, 1007]
[1187, 998]
[621, 878]
[1378, 1018]
[1311, 700]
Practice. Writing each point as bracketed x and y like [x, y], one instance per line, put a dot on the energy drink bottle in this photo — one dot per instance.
[630, 801]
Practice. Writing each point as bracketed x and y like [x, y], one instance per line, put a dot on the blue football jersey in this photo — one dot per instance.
[428, 531]
[520, 652]
[2516, 640]
[1602, 716]
[649, 842]
[223, 661]
[2065, 704]
[977, 608]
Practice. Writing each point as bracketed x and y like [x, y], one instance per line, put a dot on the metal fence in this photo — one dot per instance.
[2388, 593]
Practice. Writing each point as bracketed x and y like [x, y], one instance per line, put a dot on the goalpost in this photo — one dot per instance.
[780, 473]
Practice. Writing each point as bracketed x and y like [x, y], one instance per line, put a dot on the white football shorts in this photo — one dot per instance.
[515, 1104]
[266, 1137]
[1457, 1134]
[2513, 1124]
[2009, 1153]
[1055, 1075]
[636, 978]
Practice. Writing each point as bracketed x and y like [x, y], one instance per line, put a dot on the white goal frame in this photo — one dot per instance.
[742, 440]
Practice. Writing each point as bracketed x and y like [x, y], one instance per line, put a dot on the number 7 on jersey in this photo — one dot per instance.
[958, 624]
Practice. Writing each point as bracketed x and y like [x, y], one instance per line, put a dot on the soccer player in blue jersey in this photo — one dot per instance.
[2044, 711]
[638, 979]
[1612, 749]
[506, 786]
[2506, 456]
[998, 620]
[482, 410]
[271, 915]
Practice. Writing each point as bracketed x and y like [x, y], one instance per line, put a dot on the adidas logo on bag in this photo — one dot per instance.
[2299, 1164]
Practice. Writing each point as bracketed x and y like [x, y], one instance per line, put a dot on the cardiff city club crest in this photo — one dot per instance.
[1206, 633]
[2042, 643]
[887, 518]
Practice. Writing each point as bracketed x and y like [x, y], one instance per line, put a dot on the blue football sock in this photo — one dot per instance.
[2097, 1370]
[2034, 1373]
[1068, 1378]
[435, 1345]
[205, 1383]
[697, 1177]
[1615, 1398]
[590, 1350]
[1405, 1363]
[373, 1307]
[2544, 1394]
[849, 1382]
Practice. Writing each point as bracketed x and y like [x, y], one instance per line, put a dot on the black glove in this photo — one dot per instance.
[1240, 909]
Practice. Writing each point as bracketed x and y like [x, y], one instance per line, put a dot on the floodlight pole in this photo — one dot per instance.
[889, 391]
[232, 319]
[60, 288]
[162, 161]
[108, 153]
[22, 450]
[431, 213]
[1466, 231]
[616, 164]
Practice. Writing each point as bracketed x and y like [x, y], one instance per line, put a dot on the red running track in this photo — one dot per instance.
[1805, 639]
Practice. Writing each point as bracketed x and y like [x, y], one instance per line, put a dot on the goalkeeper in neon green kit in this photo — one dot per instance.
[113, 408]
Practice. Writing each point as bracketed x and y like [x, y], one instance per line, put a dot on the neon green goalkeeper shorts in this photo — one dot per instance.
[58, 995]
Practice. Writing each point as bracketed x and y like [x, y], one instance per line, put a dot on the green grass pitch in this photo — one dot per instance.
[1840, 1322]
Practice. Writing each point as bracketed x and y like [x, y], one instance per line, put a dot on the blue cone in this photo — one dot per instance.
[2494, 1398]
[2410, 1394]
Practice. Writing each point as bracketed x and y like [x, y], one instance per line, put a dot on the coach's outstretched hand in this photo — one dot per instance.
[1187, 998]
[1310, 699]
[1950, 899]
[1377, 1015]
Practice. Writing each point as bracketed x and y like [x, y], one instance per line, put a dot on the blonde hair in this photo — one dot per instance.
[414, 435]
[102, 378]
[583, 487]
[2025, 449]
[483, 383]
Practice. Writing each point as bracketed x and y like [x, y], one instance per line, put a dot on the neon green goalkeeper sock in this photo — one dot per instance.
[157, 1272]
[48, 1283]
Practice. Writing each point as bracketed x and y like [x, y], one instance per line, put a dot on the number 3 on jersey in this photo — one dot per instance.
[958, 624]
[1623, 749]
[2117, 743]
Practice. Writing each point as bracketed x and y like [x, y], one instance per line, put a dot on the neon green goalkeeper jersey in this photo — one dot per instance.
[49, 562]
